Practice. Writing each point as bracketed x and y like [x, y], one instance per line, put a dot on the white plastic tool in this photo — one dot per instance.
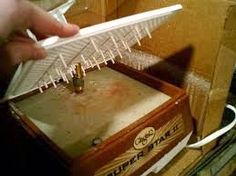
[93, 46]
[59, 12]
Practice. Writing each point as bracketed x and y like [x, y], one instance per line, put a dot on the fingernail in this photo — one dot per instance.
[72, 28]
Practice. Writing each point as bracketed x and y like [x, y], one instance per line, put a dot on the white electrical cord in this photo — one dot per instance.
[216, 134]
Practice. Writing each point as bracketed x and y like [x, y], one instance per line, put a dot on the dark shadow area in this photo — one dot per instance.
[223, 153]
[233, 83]
[23, 155]
[5, 79]
[20, 153]
[174, 68]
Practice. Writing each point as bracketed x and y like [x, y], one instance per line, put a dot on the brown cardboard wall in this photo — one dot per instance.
[199, 25]
[88, 12]
[207, 29]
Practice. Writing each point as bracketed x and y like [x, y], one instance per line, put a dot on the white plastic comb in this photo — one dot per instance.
[93, 46]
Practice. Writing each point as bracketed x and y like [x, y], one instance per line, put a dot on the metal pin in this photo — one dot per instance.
[45, 84]
[73, 69]
[85, 62]
[94, 45]
[139, 66]
[112, 60]
[111, 53]
[111, 56]
[148, 32]
[136, 38]
[40, 89]
[52, 81]
[104, 58]
[118, 51]
[114, 41]
[63, 75]
[70, 72]
[57, 71]
[62, 60]
[138, 32]
[99, 68]
[123, 43]
[91, 64]
[128, 47]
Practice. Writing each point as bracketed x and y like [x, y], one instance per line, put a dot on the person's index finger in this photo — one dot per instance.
[65, 30]
[43, 23]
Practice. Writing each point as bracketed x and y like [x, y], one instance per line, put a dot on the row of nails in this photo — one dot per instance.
[88, 62]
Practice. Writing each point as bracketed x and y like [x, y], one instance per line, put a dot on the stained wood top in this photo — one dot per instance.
[111, 101]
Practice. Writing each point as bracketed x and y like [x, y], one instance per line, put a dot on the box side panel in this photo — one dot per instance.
[219, 92]
[120, 155]
[224, 68]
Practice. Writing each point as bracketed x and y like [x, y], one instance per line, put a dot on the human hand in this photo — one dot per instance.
[15, 17]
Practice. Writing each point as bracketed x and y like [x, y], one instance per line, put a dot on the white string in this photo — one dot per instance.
[216, 134]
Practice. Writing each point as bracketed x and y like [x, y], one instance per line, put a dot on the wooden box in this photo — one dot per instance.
[197, 49]
[123, 123]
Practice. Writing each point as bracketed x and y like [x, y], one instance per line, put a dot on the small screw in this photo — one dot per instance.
[96, 141]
